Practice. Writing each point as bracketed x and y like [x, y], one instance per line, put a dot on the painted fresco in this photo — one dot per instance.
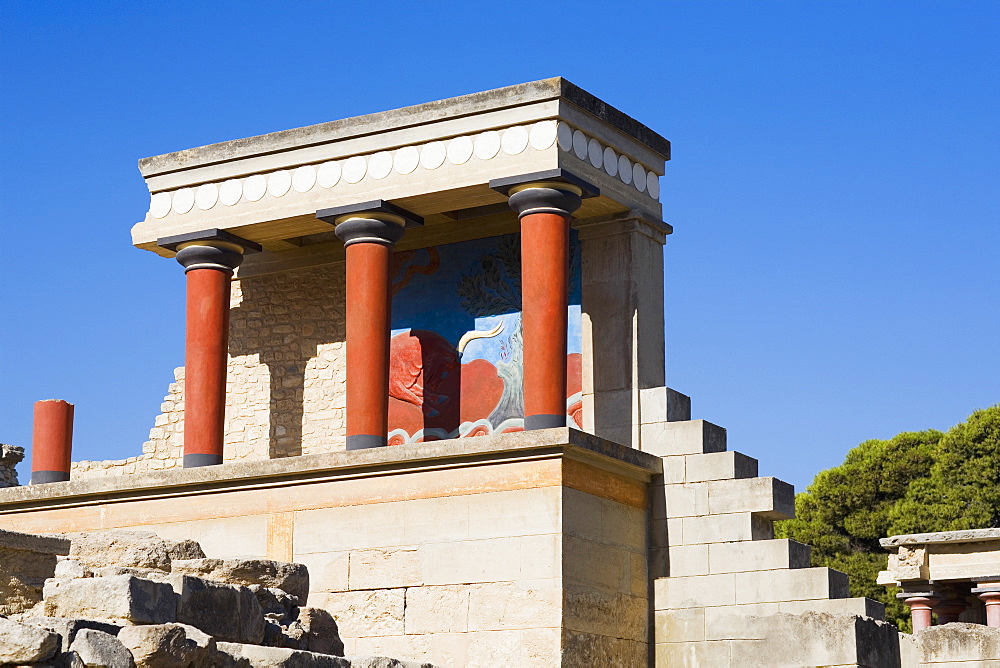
[455, 352]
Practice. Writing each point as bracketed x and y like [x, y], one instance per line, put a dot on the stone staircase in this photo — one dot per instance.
[725, 591]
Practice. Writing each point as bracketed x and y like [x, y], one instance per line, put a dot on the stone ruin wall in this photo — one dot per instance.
[286, 382]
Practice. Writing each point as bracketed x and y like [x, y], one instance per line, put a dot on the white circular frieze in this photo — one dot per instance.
[380, 164]
[279, 183]
[206, 196]
[624, 169]
[432, 155]
[595, 152]
[564, 133]
[406, 159]
[542, 135]
[487, 145]
[653, 185]
[328, 174]
[183, 200]
[355, 168]
[610, 161]
[638, 177]
[230, 192]
[304, 178]
[159, 205]
[514, 140]
[580, 144]
[459, 150]
[254, 187]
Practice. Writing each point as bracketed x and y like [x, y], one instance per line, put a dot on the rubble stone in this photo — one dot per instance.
[167, 645]
[277, 657]
[199, 602]
[68, 628]
[26, 561]
[118, 598]
[135, 549]
[321, 632]
[101, 650]
[21, 643]
[10, 457]
[288, 577]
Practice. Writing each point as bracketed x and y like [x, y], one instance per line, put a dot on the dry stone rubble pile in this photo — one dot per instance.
[125, 599]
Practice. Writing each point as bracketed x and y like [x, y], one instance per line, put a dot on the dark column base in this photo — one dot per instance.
[42, 477]
[194, 461]
[543, 421]
[365, 441]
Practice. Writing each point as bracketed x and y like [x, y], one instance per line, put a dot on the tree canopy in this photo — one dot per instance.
[912, 483]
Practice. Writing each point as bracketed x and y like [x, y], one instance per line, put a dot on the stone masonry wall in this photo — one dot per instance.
[286, 382]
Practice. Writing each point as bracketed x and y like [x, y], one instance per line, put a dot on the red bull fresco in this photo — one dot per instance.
[455, 353]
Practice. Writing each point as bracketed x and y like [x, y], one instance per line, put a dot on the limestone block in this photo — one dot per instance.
[678, 406]
[320, 631]
[727, 465]
[167, 645]
[790, 585]
[689, 560]
[674, 471]
[67, 628]
[121, 598]
[67, 569]
[520, 512]
[686, 500]
[691, 437]
[694, 592]
[288, 577]
[22, 643]
[697, 654]
[227, 612]
[385, 568]
[276, 657]
[684, 625]
[909, 563]
[758, 555]
[527, 647]
[608, 567]
[720, 529]
[443, 609]
[101, 650]
[596, 612]
[360, 614]
[43, 544]
[136, 549]
[590, 649]
[515, 605]
[767, 497]
[327, 570]
[653, 404]
[492, 560]
[384, 662]
[863, 607]
[373, 651]
[958, 641]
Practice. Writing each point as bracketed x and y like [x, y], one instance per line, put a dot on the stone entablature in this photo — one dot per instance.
[954, 575]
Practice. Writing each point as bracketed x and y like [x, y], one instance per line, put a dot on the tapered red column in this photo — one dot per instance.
[921, 607]
[209, 260]
[52, 441]
[988, 591]
[545, 209]
[369, 231]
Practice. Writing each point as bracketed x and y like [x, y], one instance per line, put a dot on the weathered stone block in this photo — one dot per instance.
[959, 642]
[862, 607]
[758, 555]
[136, 549]
[120, 598]
[68, 628]
[720, 529]
[718, 466]
[441, 609]
[509, 605]
[23, 643]
[227, 612]
[385, 567]
[694, 592]
[101, 650]
[691, 437]
[766, 497]
[361, 614]
[289, 577]
[167, 645]
[684, 625]
[275, 657]
[589, 649]
[790, 585]
[27, 561]
[688, 560]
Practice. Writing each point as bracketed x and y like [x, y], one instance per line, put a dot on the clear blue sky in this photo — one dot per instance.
[833, 275]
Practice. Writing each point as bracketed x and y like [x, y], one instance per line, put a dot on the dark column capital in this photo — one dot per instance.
[377, 221]
[553, 191]
[209, 249]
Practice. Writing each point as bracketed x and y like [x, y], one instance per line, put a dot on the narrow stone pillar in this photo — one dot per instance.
[369, 231]
[921, 606]
[52, 441]
[544, 203]
[988, 592]
[209, 258]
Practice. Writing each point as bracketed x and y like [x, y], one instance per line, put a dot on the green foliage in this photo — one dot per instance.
[912, 483]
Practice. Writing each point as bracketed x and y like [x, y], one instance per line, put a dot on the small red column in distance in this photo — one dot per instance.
[52, 441]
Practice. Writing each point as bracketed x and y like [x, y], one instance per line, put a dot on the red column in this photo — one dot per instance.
[369, 231]
[920, 610]
[52, 441]
[545, 203]
[209, 258]
[368, 317]
[988, 591]
[205, 361]
[544, 304]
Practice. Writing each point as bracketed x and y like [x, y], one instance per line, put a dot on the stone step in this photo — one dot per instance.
[687, 437]
[739, 589]
[715, 529]
[741, 557]
[767, 497]
[728, 465]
